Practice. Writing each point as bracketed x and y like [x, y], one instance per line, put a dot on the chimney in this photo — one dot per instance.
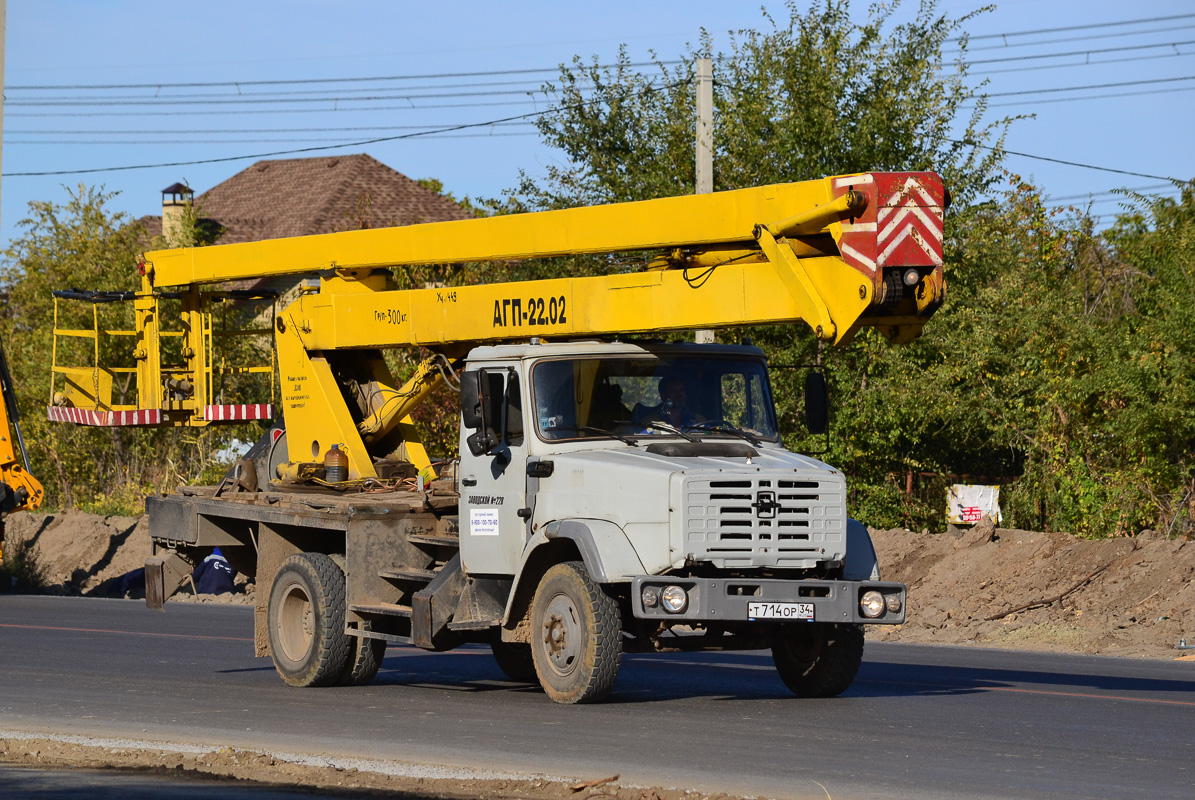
[174, 201]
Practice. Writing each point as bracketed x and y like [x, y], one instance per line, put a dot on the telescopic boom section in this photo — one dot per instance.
[836, 254]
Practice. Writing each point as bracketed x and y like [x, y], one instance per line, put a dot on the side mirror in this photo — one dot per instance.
[817, 403]
[472, 400]
[475, 413]
[482, 442]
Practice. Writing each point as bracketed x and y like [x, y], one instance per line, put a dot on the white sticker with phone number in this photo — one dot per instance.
[483, 522]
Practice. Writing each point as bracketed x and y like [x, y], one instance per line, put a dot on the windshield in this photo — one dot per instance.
[596, 398]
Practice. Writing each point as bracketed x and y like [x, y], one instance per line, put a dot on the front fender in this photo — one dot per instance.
[605, 550]
[861, 563]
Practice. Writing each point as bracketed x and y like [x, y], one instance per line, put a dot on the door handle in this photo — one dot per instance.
[468, 481]
[540, 469]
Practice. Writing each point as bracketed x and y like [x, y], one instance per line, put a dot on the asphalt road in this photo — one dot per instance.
[920, 721]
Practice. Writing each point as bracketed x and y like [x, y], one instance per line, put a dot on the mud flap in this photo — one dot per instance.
[433, 606]
[164, 574]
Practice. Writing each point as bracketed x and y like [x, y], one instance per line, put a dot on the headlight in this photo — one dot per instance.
[892, 601]
[872, 604]
[674, 599]
[651, 597]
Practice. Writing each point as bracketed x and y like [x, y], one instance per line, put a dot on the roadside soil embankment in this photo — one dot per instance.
[91, 555]
[997, 587]
[985, 586]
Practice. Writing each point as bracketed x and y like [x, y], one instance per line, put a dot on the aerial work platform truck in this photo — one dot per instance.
[615, 492]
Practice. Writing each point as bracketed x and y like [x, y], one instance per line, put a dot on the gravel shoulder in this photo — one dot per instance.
[334, 776]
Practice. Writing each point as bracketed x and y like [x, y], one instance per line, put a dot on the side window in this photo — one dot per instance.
[514, 411]
[505, 403]
[495, 389]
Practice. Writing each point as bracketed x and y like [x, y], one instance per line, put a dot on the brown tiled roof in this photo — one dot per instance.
[301, 196]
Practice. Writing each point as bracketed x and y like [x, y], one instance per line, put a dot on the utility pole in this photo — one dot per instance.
[705, 145]
[705, 125]
[3, 37]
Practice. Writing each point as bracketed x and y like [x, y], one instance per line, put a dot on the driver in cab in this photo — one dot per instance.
[673, 409]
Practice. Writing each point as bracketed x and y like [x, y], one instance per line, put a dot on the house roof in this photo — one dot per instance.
[302, 196]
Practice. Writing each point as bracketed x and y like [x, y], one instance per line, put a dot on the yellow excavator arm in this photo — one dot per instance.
[19, 490]
[836, 254]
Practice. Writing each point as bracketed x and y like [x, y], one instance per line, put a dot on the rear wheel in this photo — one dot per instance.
[364, 660]
[515, 660]
[818, 659]
[576, 635]
[306, 621]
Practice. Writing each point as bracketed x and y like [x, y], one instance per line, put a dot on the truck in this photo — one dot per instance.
[614, 492]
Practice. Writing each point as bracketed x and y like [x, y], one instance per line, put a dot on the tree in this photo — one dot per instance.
[819, 95]
[83, 244]
[814, 95]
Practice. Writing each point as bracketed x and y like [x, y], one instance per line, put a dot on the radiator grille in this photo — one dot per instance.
[787, 520]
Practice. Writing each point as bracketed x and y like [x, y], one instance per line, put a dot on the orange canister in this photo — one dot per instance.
[336, 465]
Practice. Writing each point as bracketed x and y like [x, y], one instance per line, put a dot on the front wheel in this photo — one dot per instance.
[576, 635]
[818, 659]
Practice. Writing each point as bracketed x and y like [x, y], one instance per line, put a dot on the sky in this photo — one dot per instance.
[1111, 89]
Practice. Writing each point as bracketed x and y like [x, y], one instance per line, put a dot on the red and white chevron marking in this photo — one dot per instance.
[911, 217]
[105, 419]
[238, 412]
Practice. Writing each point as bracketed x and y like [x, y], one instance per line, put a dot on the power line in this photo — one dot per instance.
[1052, 100]
[1087, 27]
[170, 101]
[208, 131]
[1116, 85]
[342, 90]
[1039, 67]
[1038, 56]
[271, 99]
[1067, 39]
[302, 81]
[124, 114]
[296, 151]
[1067, 163]
[143, 143]
[1087, 195]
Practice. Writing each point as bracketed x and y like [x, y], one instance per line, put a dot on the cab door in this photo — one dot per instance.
[493, 485]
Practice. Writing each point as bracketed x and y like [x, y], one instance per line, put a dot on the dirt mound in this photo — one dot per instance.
[1042, 591]
[81, 553]
[95, 556]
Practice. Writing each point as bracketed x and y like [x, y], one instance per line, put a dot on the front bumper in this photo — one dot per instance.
[730, 600]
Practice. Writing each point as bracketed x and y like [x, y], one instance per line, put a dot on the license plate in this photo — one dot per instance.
[803, 611]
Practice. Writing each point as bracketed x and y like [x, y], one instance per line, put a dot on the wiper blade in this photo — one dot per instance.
[730, 429]
[602, 431]
[667, 428]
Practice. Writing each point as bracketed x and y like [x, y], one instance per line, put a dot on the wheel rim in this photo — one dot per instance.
[296, 623]
[562, 639]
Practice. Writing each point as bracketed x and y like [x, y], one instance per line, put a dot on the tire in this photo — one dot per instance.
[515, 660]
[576, 635]
[818, 659]
[306, 621]
[364, 660]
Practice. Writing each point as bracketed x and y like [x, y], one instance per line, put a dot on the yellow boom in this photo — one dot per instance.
[837, 254]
